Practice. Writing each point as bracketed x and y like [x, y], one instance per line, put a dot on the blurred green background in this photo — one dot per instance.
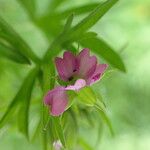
[127, 28]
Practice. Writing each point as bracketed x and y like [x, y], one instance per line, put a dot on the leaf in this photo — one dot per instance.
[56, 45]
[91, 19]
[58, 129]
[105, 118]
[25, 97]
[68, 23]
[78, 10]
[48, 76]
[36, 131]
[51, 22]
[71, 97]
[102, 49]
[55, 4]
[23, 93]
[9, 37]
[29, 5]
[87, 36]
[11, 54]
[100, 101]
[87, 96]
[76, 32]
[50, 25]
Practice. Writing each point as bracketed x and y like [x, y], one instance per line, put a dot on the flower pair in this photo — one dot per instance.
[77, 71]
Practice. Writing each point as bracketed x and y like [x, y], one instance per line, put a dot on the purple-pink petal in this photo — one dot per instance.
[66, 66]
[97, 74]
[57, 100]
[70, 62]
[61, 68]
[86, 64]
[80, 83]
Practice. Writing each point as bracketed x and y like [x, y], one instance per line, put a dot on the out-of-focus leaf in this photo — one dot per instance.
[101, 48]
[74, 118]
[87, 96]
[36, 131]
[105, 118]
[68, 23]
[99, 133]
[9, 37]
[91, 19]
[23, 94]
[30, 6]
[11, 54]
[54, 4]
[50, 25]
[58, 129]
[87, 115]
[84, 144]
[78, 10]
[25, 97]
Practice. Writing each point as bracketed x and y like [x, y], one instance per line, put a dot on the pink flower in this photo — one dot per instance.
[78, 71]
[57, 99]
[82, 66]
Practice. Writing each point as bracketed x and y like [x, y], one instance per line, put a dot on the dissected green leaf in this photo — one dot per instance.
[10, 38]
[70, 126]
[101, 48]
[76, 32]
[71, 98]
[87, 115]
[100, 101]
[91, 19]
[58, 129]
[30, 6]
[51, 22]
[87, 96]
[23, 94]
[25, 97]
[11, 54]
